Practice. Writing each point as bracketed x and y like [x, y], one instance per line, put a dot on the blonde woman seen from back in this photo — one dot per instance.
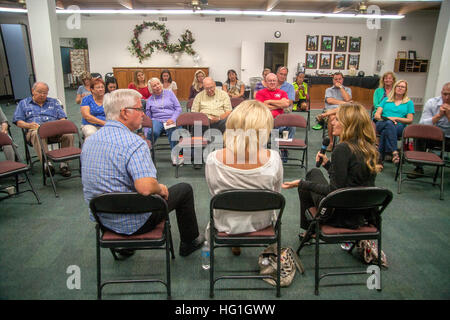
[244, 163]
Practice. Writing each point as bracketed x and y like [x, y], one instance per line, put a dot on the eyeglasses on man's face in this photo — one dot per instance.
[137, 109]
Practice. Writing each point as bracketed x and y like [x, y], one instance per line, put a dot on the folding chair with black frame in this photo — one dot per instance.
[191, 141]
[158, 238]
[299, 122]
[345, 200]
[246, 200]
[54, 130]
[422, 158]
[14, 168]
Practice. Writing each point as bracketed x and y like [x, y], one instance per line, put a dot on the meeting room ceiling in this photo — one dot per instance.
[322, 6]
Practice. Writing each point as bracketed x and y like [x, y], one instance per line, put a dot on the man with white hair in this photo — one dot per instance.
[31, 112]
[115, 159]
[215, 103]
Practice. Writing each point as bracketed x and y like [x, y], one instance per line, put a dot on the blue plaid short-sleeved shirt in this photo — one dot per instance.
[29, 111]
[111, 160]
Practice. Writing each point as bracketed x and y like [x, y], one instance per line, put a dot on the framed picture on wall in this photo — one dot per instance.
[325, 61]
[401, 55]
[412, 55]
[312, 43]
[353, 60]
[339, 61]
[340, 44]
[311, 61]
[354, 44]
[326, 43]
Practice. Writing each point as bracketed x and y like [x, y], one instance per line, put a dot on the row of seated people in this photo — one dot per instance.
[163, 107]
[353, 161]
[234, 87]
[393, 111]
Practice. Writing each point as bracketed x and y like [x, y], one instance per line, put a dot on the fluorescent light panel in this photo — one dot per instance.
[222, 12]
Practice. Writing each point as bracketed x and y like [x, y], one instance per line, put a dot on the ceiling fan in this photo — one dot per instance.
[351, 7]
[195, 5]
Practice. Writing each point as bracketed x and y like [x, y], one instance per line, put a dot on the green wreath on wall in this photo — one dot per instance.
[144, 52]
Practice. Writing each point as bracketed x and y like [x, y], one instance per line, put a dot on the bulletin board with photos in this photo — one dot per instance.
[333, 52]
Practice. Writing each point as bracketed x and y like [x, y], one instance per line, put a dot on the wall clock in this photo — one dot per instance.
[277, 34]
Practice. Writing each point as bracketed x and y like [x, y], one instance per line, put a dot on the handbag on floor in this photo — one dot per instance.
[267, 262]
[368, 251]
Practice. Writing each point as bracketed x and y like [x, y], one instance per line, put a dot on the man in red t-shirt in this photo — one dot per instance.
[276, 100]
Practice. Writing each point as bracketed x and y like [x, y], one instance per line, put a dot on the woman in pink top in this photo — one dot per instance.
[139, 84]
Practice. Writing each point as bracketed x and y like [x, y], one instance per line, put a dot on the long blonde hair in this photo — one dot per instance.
[359, 133]
[195, 83]
[248, 127]
[391, 96]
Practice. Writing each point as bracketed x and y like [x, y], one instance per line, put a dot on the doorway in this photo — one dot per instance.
[275, 55]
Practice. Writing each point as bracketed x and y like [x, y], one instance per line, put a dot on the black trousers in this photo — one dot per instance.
[308, 198]
[181, 199]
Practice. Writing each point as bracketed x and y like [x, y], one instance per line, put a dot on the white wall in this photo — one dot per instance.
[419, 30]
[218, 44]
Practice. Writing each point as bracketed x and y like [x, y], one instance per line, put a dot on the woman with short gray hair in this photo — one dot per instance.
[163, 108]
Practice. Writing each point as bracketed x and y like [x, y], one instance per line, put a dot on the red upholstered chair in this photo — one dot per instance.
[13, 168]
[158, 238]
[246, 200]
[348, 200]
[298, 121]
[236, 101]
[422, 158]
[52, 130]
[188, 143]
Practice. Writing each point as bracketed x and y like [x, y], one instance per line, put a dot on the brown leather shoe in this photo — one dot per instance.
[236, 251]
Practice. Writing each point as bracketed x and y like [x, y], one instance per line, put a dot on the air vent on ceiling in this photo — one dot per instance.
[220, 19]
[290, 20]
[162, 18]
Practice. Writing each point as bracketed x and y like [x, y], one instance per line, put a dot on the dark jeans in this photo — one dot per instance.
[308, 198]
[181, 198]
[389, 133]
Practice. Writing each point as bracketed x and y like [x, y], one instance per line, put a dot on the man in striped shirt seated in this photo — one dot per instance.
[115, 159]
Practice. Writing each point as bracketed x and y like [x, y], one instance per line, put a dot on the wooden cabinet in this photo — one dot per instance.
[410, 65]
[182, 76]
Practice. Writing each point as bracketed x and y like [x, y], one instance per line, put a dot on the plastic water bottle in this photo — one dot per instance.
[205, 256]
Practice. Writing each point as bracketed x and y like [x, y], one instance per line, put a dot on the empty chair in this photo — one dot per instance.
[422, 158]
[158, 238]
[297, 121]
[236, 101]
[191, 142]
